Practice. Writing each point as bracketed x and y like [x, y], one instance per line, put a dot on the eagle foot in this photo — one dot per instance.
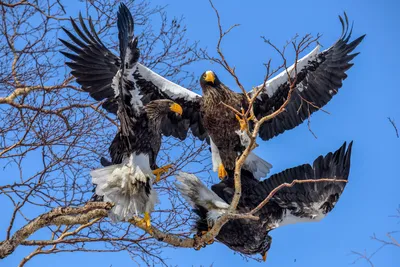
[158, 172]
[198, 244]
[222, 172]
[145, 222]
[210, 242]
[243, 120]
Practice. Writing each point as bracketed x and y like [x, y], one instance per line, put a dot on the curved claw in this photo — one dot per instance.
[158, 172]
[222, 172]
[146, 222]
[243, 120]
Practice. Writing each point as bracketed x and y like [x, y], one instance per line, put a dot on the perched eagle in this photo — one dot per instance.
[320, 75]
[128, 181]
[307, 202]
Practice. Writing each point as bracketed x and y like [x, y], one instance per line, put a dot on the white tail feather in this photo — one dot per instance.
[125, 186]
[256, 165]
[259, 167]
[196, 193]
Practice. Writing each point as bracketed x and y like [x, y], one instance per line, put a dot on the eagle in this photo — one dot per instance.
[126, 87]
[319, 77]
[99, 71]
[303, 202]
[127, 181]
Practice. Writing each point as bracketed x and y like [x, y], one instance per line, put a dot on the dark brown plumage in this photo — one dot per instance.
[320, 75]
[220, 121]
[146, 133]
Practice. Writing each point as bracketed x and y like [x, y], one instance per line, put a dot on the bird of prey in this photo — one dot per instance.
[99, 72]
[128, 181]
[128, 178]
[319, 76]
[305, 202]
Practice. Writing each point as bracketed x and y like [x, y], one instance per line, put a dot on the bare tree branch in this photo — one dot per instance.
[394, 126]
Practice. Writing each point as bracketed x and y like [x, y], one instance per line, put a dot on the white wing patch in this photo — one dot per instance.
[136, 97]
[314, 213]
[115, 83]
[173, 90]
[136, 100]
[273, 84]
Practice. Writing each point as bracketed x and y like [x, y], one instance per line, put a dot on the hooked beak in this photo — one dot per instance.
[264, 256]
[176, 108]
[209, 77]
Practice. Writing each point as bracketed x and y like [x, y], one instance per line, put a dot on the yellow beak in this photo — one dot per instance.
[176, 108]
[264, 256]
[209, 77]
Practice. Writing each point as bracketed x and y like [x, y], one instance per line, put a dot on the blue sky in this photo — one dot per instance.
[359, 112]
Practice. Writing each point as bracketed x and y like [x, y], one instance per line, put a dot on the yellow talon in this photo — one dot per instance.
[146, 222]
[242, 121]
[204, 233]
[222, 172]
[158, 172]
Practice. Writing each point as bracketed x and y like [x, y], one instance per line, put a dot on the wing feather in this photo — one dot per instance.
[319, 79]
[95, 66]
[304, 202]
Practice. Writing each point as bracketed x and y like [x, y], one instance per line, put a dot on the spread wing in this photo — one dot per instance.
[303, 202]
[95, 68]
[320, 75]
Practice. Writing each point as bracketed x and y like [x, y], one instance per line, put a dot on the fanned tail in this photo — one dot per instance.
[129, 188]
[206, 204]
[257, 166]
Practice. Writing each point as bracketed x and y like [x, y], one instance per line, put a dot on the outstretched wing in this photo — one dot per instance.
[319, 77]
[92, 64]
[95, 67]
[303, 202]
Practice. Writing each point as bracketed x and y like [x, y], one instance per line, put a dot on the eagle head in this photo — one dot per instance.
[209, 78]
[161, 108]
[266, 247]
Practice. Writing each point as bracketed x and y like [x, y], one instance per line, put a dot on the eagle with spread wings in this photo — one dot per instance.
[303, 202]
[128, 88]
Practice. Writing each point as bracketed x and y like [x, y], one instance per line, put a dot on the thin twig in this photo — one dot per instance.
[394, 126]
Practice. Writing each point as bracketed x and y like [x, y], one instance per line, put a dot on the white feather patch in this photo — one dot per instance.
[314, 213]
[173, 90]
[259, 167]
[215, 157]
[244, 138]
[273, 84]
[136, 100]
[119, 185]
[196, 193]
[115, 83]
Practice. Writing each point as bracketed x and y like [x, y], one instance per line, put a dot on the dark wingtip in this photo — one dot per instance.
[64, 29]
[348, 156]
[105, 162]
[122, 6]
